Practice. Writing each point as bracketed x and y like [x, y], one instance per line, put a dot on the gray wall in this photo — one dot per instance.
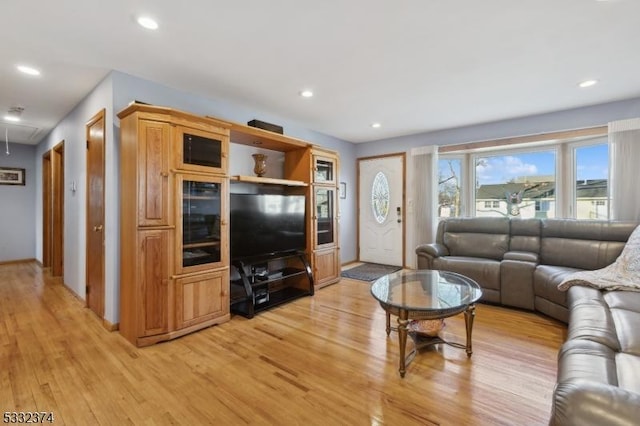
[72, 131]
[577, 118]
[117, 90]
[18, 205]
[128, 88]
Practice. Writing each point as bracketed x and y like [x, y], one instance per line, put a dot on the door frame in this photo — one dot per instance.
[99, 115]
[46, 210]
[403, 155]
[57, 211]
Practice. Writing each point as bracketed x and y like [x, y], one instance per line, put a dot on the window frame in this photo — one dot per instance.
[563, 143]
[463, 158]
[532, 148]
[573, 172]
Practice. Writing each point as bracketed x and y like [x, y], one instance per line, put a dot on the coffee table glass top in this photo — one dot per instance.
[426, 290]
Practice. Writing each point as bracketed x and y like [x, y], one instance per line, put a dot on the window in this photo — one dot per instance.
[542, 206]
[449, 181]
[591, 177]
[380, 197]
[518, 184]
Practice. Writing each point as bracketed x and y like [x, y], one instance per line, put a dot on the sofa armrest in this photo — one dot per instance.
[427, 252]
[580, 402]
[522, 256]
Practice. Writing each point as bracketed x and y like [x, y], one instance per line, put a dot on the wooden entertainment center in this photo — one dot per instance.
[174, 223]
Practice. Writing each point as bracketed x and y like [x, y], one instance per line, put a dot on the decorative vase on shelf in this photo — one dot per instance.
[260, 167]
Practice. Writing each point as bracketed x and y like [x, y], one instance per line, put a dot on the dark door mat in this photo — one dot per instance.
[369, 271]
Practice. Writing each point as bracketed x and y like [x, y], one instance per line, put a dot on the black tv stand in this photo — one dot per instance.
[263, 282]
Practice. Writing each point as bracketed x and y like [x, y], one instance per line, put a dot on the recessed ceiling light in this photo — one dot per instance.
[27, 70]
[588, 83]
[306, 94]
[376, 125]
[14, 113]
[148, 23]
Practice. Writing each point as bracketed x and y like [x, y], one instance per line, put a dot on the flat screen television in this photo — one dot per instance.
[266, 224]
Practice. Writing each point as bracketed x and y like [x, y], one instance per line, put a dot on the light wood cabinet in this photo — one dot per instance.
[153, 165]
[202, 220]
[201, 151]
[324, 199]
[317, 168]
[174, 220]
[174, 264]
[201, 298]
[326, 266]
[325, 168]
[154, 281]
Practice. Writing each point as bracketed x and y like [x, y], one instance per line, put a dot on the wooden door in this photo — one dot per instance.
[46, 210]
[57, 211]
[95, 131]
[381, 210]
[153, 157]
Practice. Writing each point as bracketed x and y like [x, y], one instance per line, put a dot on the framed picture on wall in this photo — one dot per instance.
[11, 176]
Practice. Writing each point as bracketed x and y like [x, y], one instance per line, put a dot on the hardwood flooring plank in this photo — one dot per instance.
[321, 360]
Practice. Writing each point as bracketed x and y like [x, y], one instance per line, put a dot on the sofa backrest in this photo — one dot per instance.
[583, 244]
[486, 237]
[525, 235]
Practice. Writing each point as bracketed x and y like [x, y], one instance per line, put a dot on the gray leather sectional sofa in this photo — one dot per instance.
[519, 263]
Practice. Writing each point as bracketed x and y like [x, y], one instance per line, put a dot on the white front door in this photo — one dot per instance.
[381, 210]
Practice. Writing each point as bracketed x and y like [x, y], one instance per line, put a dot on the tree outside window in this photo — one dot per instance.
[449, 187]
[516, 185]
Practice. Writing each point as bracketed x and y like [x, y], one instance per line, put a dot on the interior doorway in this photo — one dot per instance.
[57, 210]
[46, 210]
[95, 132]
[381, 211]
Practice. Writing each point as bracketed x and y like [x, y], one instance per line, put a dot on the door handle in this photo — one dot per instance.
[97, 228]
[399, 211]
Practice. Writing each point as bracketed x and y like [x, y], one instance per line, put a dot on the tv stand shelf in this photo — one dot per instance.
[268, 281]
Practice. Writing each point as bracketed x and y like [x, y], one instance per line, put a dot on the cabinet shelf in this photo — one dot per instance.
[270, 181]
[251, 294]
[200, 197]
[196, 245]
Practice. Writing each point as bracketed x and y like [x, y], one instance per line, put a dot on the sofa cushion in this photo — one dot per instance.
[545, 282]
[587, 360]
[486, 237]
[485, 272]
[583, 244]
[590, 318]
[525, 235]
[625, 311]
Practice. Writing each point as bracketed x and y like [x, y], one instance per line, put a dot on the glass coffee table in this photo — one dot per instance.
[426, 295]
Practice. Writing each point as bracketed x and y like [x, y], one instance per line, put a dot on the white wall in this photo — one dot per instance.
[18, 204]
[72, 131]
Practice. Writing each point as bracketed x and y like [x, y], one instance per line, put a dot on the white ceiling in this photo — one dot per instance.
[412, 65]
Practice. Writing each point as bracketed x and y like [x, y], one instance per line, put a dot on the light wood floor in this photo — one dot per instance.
[320, 360]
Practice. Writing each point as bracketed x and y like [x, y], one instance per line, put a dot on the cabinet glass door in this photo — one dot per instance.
[201, 151]
[324, 209]
[324, 170]
[202, 231]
